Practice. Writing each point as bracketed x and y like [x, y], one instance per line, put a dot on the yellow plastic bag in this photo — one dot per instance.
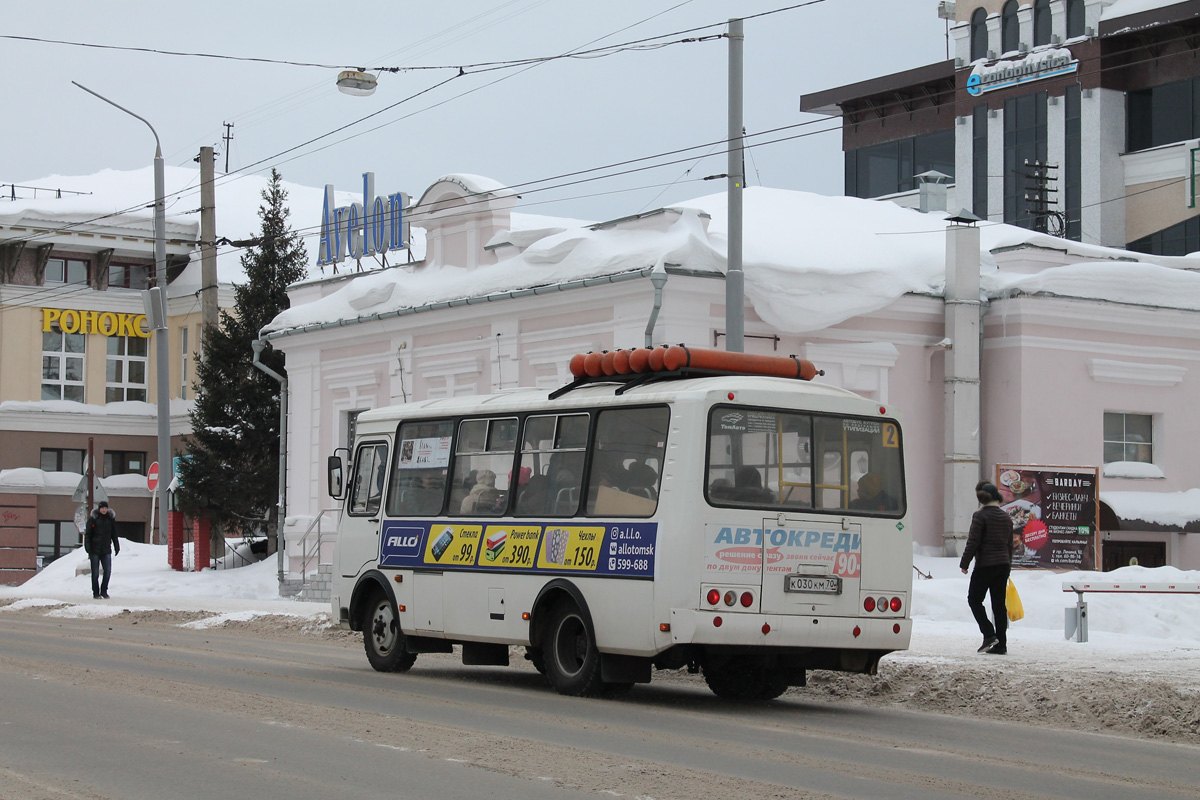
[1012, 601]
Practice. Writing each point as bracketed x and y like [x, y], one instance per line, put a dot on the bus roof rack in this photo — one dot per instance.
[671, 362]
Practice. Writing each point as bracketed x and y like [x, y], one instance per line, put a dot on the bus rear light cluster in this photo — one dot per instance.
[882, 604]
[729, 598]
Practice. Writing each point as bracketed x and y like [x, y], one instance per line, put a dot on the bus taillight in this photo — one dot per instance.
[714, 597]
[717, 622]
[730, 597]
[747, 599]
[895, 604]
[882, 604]
[869, 604]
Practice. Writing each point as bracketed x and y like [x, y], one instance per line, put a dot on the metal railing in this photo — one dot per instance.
[312, 543]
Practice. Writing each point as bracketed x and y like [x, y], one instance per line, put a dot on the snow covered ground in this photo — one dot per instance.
[1137, 675]
[1151, 635]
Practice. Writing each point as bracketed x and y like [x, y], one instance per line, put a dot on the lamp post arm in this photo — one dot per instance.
[157, 144]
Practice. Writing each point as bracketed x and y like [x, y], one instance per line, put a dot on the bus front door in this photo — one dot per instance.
[810, 565]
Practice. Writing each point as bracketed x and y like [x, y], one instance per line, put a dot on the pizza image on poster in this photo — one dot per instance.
[1054, 511]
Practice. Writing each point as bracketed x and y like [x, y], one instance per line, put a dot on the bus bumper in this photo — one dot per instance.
[772, 630]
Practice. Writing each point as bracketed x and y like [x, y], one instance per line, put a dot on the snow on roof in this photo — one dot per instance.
[65, 482]
[131, 192]
[477, 184]
[130, 408]
[810, 262]
[1174, 509]
[1123, 8]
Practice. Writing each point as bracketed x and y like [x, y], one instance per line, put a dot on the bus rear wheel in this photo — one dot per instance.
[569, 653]
[745, 679]
[382, 637]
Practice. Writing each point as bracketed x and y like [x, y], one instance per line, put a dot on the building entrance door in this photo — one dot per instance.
[1143, 554]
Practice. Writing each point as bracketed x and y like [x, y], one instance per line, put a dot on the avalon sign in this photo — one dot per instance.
[369, 228]
[1033, 67]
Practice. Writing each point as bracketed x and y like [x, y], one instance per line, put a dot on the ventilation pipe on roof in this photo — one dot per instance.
[932, 187]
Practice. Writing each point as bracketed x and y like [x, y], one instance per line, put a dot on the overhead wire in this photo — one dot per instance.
[1125, 65]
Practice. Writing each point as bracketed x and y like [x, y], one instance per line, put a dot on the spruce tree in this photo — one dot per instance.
[233, 470]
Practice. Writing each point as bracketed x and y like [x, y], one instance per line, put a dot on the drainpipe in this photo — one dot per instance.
[961, 462]
[257, 344]
[659, 278]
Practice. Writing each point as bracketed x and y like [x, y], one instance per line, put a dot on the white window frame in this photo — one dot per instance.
[1125, 441]
[123, 360]
[60, 358]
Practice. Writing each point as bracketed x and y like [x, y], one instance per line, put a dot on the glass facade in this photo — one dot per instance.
[1024, 140]
[1010, 29]
[1073, 172]
[978, 34]
[979, 162]
[1162, 114]
[1176, 240]
[888, 168]
[1042, 23]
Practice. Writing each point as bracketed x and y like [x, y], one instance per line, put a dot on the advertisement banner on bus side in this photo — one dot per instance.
[734, 549]
[618, 549]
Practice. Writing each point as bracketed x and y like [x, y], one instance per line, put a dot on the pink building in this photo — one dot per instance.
[997, 344]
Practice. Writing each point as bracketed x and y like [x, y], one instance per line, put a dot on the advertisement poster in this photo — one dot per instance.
[619, 549]
[1054, 509]
[743, 550]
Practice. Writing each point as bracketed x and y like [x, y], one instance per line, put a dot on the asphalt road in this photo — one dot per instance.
[115, 709]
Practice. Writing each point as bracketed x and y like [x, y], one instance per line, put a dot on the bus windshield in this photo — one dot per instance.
[783, 460]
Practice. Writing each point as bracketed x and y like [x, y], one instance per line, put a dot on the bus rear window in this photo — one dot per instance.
[785, 460]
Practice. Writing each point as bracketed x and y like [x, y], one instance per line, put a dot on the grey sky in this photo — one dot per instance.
[559, 117]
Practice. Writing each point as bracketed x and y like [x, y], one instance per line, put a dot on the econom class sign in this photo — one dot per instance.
[1033, 67]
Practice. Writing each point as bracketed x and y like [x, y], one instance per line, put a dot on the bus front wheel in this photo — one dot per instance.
[569, 653]
[745, 679]
[382, 638]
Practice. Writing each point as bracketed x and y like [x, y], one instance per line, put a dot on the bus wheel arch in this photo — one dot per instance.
[562, 632]
[383, 640]
[371, 582]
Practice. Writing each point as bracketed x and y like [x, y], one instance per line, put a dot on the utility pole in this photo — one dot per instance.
[735, 293]
[228, 137]
[208, 240]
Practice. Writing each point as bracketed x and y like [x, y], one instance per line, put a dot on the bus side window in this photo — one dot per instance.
[370, 468]
[629, 449]
[551, 469]
[418, 485]
[483, 467]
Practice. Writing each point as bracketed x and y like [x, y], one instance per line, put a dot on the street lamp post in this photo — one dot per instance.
[161, 338]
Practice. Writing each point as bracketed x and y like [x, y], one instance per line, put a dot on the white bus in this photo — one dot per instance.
[752, 528]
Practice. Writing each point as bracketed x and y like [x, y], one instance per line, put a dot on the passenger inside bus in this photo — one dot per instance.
[871, 496]
[484, 480]
[748, 487]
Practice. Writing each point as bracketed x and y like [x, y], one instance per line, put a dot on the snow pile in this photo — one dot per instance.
[1175, 509]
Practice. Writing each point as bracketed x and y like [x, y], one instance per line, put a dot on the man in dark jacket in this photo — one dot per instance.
[101, 543]
[990, 544]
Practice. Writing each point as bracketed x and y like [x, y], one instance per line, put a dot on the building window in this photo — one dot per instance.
[1176, 240]
[66, 270]
[979, 162]
[62, 365]
[124, 462]
[1024, 140]
[1042, 22]
[130, 276]
[1128, 437]
[1010, 29]
[125, 369]
[1162, 114]
[979, 34]
[61, 460]
[1073, 174]
[183, 366]
[56, 539]
[888, 168]
[1075, 18]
